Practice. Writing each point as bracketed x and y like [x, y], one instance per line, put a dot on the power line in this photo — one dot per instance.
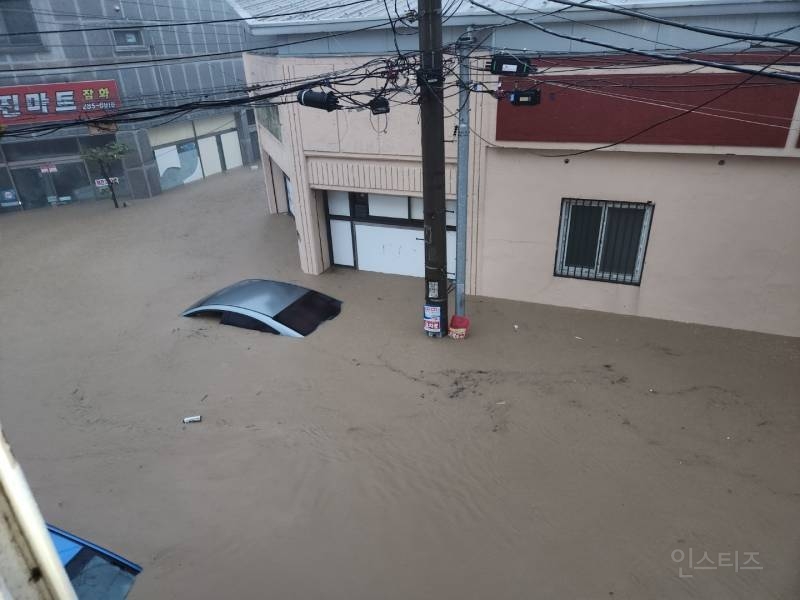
[661, 104]
[596, 26]
[394, 29]
[674, 105]
[193, 57]
[655, 55]
[687, 27]
[616, 65]
[673, 117]
[187, 23]
[123, 67]
[145, 113]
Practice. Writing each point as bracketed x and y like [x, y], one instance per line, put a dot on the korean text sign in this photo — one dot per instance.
[25, 104]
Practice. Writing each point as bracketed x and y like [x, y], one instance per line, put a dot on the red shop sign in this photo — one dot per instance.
[24, 104]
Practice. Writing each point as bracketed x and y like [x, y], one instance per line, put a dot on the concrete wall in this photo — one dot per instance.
[724, 241]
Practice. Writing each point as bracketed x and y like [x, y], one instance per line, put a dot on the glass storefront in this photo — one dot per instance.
[8, 195]
[191, 150]
[53, 184]
[178, 164]
[51, 172]
[41, 149]
[31, 186]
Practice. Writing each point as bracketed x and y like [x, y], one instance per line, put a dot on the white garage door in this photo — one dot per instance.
[396, 246]
[397, 250]
[387, 249]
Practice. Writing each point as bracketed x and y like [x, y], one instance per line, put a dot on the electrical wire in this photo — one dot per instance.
[144, 113]
[674, 105]
[595, 25]
[704, 30]
[672, 118]
[394, 30]
[650, 54]
[188, 23]
[192, 57]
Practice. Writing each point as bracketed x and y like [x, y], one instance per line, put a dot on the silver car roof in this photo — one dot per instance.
[261, 296]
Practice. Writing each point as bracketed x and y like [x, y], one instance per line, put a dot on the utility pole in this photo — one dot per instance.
[462, 183]
[431, 78]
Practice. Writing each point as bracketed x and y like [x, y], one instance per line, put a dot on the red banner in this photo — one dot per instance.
[24, 104]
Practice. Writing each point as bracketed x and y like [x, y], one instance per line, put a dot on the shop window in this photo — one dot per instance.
[96, 141]
[117, 173]
[54, 184]
[8, 195]
[178, 164]
[128, 39]
[603, 240]
[39, 149]
[33, 187]
[17, 17]
[71, 184]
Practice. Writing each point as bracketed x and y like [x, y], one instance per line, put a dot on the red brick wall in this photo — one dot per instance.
[607, 108]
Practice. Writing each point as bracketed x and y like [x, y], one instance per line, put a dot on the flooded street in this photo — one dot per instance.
[568, 458]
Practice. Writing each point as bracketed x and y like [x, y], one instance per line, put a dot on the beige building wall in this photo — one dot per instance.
[350, 150]
[724, 246]
[724, 241]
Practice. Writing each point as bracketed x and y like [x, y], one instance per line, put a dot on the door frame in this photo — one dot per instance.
[353, 197]
[50, 184]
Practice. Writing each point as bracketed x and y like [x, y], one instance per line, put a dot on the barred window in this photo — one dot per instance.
[603, 240]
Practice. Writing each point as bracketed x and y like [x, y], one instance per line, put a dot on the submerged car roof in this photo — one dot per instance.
[94, 572]
[258, 295]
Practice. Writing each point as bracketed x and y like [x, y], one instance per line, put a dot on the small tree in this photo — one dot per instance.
[104, 156]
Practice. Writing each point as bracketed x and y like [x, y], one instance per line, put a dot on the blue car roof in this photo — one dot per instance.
[68, 545]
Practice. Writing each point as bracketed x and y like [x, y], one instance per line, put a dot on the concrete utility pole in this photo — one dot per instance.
[462, 184]
[431, 79]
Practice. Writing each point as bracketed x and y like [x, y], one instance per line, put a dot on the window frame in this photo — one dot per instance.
[128, 47]
[355, 197]
[268, 116]
[18, 44]
[595, 274]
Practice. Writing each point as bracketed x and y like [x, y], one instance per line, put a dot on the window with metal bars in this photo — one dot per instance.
[603, 240]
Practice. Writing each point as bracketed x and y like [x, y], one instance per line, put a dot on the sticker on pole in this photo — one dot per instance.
[433, 318]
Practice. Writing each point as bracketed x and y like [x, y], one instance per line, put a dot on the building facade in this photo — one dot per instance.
[695, 219]
[109, 56]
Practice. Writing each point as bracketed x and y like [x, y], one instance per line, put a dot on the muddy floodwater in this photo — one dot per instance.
[578, 455]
